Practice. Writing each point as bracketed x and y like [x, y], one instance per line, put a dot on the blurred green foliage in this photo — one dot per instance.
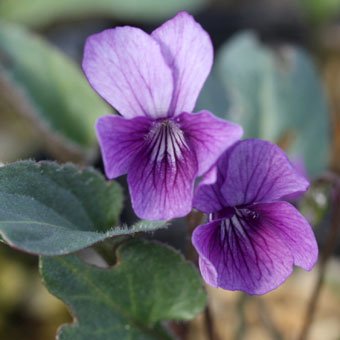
[44, 84]
[36, 13]
[321, 11]
[27, 310]
[275, 95]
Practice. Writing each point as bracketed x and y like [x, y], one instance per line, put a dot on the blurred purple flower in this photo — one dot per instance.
[253, 238]
[154, 81]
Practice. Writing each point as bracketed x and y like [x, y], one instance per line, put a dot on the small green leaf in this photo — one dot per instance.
[49, 88]
[50, 209]
[150, 283]
[41, 12]
[276, 95]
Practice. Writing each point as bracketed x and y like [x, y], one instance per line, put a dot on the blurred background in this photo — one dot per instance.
[276, 72]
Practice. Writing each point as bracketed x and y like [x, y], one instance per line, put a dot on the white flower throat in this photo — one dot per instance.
[166, 141]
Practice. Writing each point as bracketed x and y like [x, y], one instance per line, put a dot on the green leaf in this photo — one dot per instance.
[150, 283]
[50, 209]
[277, 95]
[41, 12]
[49, 88]
[320, 11]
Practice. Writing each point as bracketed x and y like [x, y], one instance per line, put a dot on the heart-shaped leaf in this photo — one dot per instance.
[40, 12]
[50, 209]
[50, 89]
[150, 283]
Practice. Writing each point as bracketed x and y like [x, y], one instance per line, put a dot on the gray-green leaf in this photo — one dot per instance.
[50, 209]
[41, 12]
[275, 95]
[150, 283]
[49, 88]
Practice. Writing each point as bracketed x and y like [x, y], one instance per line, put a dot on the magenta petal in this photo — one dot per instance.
[253, 260]
[293, 229]
[257, 170]
[208, 197]
[120, 141]
[255, 249]
[189, 52]
[126, 67]
[161, 178]
[209, 136]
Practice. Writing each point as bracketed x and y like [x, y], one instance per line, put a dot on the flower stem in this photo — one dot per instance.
[209, 324]
[242, 323]
[267, 321]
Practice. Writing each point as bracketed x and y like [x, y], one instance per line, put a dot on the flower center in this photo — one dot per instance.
[241, 213]
[236, 219]
[166, 141]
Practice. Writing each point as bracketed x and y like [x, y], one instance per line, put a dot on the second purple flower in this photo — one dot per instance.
[253, 237]
[154, 81]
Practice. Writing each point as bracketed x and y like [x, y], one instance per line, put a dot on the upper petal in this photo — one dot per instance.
[208, 197]
[120, 140]
[188, 50]
[257, 171]
[209, 136]
[126, 67]
[161, 178]
[254, 253]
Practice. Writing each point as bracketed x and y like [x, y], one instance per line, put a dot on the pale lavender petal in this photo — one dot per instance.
[258, 171]
[210, 177]
[188, 50]
[126, 67]
[209, 136]
[120, 140]
[208, 271]
[161, 178]
[293, 229]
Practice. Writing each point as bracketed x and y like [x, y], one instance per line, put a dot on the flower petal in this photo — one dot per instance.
[161, 178]
[257, 171]
[208, 271]
[188, 50]
[126, 67]
[120, 139]
[210, 136]
[208, 197]
[255, 260]
[255, 251]
[293, 229]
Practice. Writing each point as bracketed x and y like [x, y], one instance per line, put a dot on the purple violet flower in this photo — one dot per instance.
[153, 81]
[253, 238]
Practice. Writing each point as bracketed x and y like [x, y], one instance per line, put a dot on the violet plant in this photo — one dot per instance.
[174, 160]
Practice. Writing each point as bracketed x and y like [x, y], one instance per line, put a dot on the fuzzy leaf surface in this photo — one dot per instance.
[149, 284]
[49, 209]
